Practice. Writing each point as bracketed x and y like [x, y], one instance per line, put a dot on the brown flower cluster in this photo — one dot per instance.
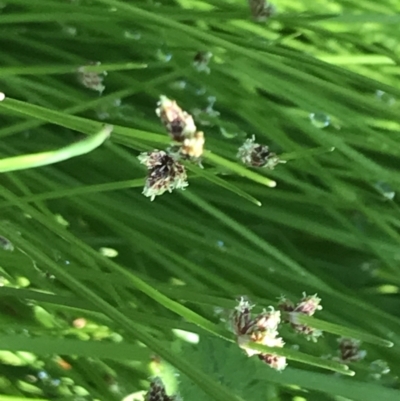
[201, 60]
[349, 350]
[261, 10]
[92, 80]
[165, 171]
[260, 329]
[255, 155]
[157, 392]
[180, 125]
[308, 305]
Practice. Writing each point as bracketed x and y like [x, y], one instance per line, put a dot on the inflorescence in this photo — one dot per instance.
[166, 171]
[253, 154]
[260, 329]
[261, 10]
[157, 392]
[263, 329]
[308, 305]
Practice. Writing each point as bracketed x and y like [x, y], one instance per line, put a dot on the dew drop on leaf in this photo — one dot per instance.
[378, 368]
[319, 119]
[132, 35]
[6, 244]
[42, 375]
[385, 97]
[69, 30]
[163, 55]
[385, 189]
[178, 85]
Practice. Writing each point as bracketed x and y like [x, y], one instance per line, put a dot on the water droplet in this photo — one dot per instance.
[26, 332]
[379, 368]
[42, 375]
[109, 110]
[370, 268]
[320, 120]
[178, 85]
[55, 382]
[132, 35]
[163, 55]
[69, 30]
[200, 91]
[385, 189]
[390, 334]
[6, 244]
[385, 97]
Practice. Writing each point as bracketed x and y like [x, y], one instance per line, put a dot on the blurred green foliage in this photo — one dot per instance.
[95, 279]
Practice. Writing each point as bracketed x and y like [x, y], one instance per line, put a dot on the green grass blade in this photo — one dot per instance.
[43, 159]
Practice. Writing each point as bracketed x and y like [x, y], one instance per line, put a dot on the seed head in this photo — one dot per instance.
[275, 361]
[157, 391]
[256, 155]
[261, 329]
[92, 80]
[261, 10]
[308, 305]
[193, 147]
[201, 60]
[179, 123]
[349, 350]
[165, 173]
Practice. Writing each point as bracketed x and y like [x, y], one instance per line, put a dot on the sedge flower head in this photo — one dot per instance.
[164, 173]
[179, 123]
[260, 329]
[253, 154]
